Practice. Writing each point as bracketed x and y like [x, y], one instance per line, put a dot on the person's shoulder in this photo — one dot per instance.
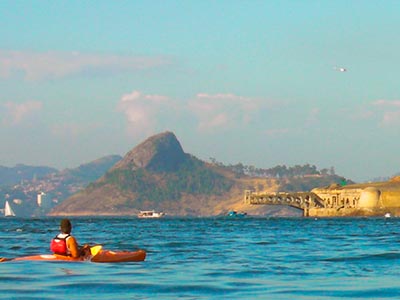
[70, 238]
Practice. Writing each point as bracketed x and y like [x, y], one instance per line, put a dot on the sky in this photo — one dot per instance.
[255, 82]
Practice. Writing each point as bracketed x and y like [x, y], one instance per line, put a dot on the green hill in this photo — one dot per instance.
[156, 174]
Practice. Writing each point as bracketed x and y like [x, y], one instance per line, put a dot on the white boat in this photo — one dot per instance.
[388, 215]
[8, 211]
[150, 214]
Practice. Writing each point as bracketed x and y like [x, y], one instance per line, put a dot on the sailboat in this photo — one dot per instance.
[8, 211]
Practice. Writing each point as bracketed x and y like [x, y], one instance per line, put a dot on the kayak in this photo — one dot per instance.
[102, 256]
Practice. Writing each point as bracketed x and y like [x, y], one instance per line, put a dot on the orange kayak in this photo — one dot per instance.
[103, 256]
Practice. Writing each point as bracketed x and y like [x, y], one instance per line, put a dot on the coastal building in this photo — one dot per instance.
[366, 199]
[42, 200]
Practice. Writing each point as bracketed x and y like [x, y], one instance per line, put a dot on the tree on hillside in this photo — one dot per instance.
[279, 171]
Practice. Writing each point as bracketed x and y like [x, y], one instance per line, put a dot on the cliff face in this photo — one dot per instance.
[158, 174]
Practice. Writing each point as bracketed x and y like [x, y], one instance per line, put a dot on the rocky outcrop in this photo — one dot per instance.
[161, 152]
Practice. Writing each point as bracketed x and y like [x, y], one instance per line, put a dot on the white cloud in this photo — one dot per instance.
[145, 114]
[390, 112]
[40, 65]
[361, 114]
[222, 111]
[142, 111]
[16, 113]
[387, 103]
[391, 118]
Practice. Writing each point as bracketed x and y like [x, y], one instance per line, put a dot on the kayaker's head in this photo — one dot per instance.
[65, 226]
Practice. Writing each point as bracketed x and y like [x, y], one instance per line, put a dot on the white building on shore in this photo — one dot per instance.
[42, 200]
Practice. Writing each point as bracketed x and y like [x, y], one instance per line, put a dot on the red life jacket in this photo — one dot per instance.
[58, 245]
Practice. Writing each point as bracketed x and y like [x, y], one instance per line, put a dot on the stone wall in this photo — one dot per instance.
[369, 199]
[339, 198]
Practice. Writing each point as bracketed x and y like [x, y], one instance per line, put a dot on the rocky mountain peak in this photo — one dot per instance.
[161, 152]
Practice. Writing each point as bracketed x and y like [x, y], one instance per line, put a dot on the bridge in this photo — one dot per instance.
[299, 200]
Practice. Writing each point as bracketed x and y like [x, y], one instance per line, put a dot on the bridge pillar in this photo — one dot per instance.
[306, 212]
[247, 194]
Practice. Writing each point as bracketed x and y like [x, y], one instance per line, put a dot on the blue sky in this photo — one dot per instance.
[256, 82]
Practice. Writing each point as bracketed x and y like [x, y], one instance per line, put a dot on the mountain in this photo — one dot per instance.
[159, 153]
[21, 172]
[56, 185]
[91, 171]
[158, 174]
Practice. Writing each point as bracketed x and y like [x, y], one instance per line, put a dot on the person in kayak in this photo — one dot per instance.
[65, 244]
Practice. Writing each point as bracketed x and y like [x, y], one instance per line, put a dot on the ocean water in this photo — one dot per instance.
[209, 258]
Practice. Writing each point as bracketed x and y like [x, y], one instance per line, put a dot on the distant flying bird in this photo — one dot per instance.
[340, 69]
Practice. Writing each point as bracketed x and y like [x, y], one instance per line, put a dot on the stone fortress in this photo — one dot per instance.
[366, 199]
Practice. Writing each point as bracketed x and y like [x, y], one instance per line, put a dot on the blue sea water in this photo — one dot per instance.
[209, 258]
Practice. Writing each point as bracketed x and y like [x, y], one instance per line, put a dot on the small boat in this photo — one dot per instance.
[8, 211]
[234, 213]
[388, 215]
[150, 214]
[103, 256]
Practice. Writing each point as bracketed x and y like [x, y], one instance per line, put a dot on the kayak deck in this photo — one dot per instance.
[103, 256]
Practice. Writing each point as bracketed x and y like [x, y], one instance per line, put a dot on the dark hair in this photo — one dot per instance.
[65, 226]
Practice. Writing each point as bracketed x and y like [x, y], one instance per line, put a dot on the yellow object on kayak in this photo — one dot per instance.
[94, 250]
